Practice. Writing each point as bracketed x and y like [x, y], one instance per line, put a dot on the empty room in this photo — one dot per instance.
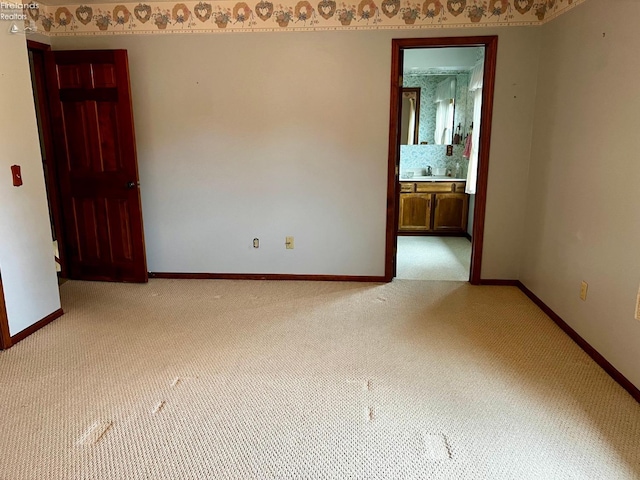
[316, 239]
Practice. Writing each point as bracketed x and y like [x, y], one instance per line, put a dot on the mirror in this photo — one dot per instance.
[432, 108]
[440, 74]
[410, 116]
[441, 77]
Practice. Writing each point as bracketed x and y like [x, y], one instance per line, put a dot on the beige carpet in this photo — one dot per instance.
[433, 258]
[182, 379]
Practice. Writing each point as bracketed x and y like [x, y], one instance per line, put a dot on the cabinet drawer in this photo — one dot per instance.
[407, 187]
[435, 187]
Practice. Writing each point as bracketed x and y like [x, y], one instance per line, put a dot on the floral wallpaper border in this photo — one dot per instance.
[290, 15]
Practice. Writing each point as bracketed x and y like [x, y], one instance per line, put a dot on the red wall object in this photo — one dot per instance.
[17, 175]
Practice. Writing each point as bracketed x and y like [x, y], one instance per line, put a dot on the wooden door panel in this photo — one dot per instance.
[119, 222]
[104, 229]
[92, 131]
[85, 213]
[90, 95]
[76, 126]
[108, 142]
[72, 76]
[103, 76]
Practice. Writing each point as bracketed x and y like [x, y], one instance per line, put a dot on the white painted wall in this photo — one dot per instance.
[583, 221]
[274, 134]
[26, 255]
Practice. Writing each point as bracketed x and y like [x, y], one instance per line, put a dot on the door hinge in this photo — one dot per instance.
[400, 79]
[397, 170]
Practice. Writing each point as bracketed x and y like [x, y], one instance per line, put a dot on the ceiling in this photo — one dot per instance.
[440, 60]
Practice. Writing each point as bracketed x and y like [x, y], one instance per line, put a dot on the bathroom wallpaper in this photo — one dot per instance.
[420, 156]
[427, 85]
[280, 15]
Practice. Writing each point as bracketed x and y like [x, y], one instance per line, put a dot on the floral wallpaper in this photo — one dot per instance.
[419, 156]
[292, 15]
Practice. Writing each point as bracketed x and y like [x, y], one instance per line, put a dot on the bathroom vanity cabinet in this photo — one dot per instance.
[432, 207]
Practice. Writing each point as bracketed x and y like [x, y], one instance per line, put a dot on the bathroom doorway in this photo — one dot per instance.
[441, 105]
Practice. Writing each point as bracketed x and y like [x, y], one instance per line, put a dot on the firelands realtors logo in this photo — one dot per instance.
[15, 11]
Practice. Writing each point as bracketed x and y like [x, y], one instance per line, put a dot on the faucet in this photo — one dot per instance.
[429, 171]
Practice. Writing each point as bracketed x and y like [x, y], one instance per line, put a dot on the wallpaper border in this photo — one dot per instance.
[135, 18]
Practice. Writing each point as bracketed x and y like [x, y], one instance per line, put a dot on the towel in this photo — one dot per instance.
[467, 147]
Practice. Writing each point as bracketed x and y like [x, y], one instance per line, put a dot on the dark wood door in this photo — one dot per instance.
[451, 212]
[97, 165]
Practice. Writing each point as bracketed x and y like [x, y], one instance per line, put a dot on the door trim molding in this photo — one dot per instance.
[596, 356]
[5, 336]
[268, 276]
[500, 282]
[6, 340]
[36, 326]
[393, 195]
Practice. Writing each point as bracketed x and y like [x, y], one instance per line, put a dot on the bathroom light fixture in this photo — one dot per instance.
[14, 28]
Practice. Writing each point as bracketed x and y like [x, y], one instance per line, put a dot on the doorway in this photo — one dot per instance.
[440, 126]
[37, 64]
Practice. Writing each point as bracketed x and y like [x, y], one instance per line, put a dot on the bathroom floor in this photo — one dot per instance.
[433, 258]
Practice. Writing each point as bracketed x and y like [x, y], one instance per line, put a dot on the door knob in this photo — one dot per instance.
[133, 184]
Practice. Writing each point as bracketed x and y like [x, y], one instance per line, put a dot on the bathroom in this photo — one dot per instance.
[440, 119]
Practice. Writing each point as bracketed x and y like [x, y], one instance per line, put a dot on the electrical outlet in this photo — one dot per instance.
[583, 290]
[638, 305]
[288, 241]
[256, 243]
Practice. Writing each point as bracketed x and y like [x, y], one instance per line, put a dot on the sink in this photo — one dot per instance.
[432, 177]
[438, 178]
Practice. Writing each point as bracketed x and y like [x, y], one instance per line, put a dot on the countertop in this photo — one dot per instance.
[432, 178]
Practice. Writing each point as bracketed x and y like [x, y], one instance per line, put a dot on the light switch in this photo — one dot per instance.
[17, 175]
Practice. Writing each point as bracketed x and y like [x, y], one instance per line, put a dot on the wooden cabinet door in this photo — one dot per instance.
[96, 164]
[415, 212]
[450, 212]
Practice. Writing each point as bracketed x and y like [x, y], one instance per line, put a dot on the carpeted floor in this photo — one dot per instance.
[433, 258]
[188, 379]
